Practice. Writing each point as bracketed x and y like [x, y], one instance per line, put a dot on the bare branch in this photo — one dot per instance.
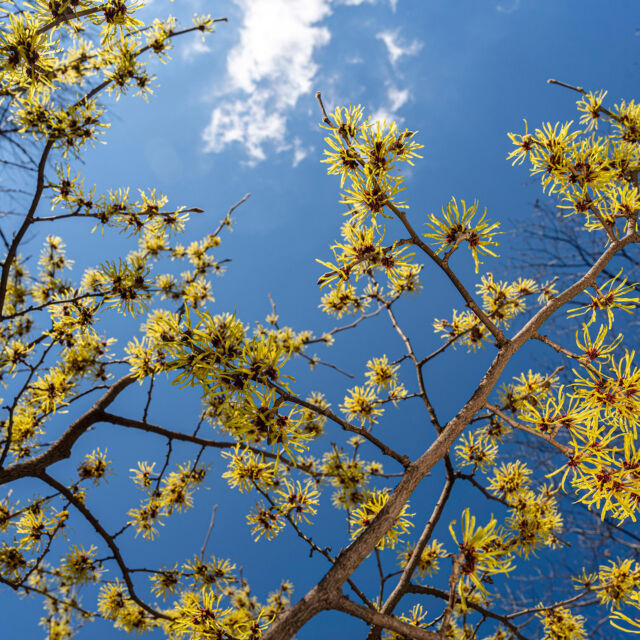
[387, 622]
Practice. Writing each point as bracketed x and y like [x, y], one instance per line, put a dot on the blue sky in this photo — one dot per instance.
[237, 114]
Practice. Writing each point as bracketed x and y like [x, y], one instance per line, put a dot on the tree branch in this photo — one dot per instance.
[401, 587]
[100, 530]
[61, 448]
[316, 599]
[393, 624]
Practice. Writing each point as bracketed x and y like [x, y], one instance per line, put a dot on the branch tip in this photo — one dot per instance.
[325, 117]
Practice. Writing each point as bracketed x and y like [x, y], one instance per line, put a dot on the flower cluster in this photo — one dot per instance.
[501, 301]
[363, 515]
[363, 402]
[367, 155]
[456, 225]
[588, 172]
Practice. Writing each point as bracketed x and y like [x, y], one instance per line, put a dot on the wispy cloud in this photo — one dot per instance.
[269, 69]
[249, 122]
[396, 48]
[273, 65]
[194, 48]
[508, 7]
[300, 152]
[396, 99]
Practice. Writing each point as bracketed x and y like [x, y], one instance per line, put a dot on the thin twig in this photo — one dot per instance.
[209, 530]
[100, 530]
[386, 450]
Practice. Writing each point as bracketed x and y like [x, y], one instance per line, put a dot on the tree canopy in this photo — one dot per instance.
[64, 372]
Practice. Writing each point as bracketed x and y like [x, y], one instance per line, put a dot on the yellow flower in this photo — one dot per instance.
[560, 624]
[165, 582]
[362, 403]
[215, 572]
[95, 466]
[79, 566]
[428, 562]
[363, 515]
[591, 106]
[265, 521]
[381, 374]
[456, 225]
[617, 581]
[609, 296]
[198, 615]
[482, 552]
[596, 349]
[509, 480]
[247, 470]
[297, 501]
[477, 449]
[524, 143]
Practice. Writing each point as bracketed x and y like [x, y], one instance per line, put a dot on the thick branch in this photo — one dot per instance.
[487, 613]
[26, 223]
[316, 599]
[393, 624]
[61, 448]
[405, 579]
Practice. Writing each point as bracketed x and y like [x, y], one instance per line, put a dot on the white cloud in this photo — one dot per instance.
[396, 99]
[396, 48]
[381, 115]
[277, 40]
[268, 70]
[299, 151]
[194, 48]
[247, 121]
[273, 65]
[515, 4]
